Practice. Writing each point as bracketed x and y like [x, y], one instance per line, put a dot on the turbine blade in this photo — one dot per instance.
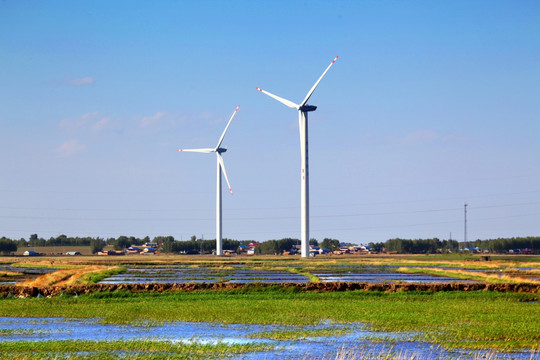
[226, 127]
[280, 99]
[198, 150]
[317, 83]
[220, 159]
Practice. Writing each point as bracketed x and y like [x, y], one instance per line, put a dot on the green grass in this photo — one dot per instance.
[304, 272]
[96, 277]
[299, 334]
[135, 349]
[470, 319]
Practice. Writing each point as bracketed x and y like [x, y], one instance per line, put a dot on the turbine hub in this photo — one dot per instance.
[221, 150]
[307, 108]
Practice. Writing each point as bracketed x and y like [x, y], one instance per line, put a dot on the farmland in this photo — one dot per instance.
[492, 312]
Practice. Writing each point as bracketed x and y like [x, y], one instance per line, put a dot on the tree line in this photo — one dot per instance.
[194, 245]
[420, 246]
[505, 244]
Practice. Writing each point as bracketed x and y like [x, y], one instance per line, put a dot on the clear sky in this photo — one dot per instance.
[431, 104]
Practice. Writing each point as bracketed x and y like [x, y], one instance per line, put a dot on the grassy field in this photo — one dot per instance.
[473, 319]
[470, 319]
[144, 349]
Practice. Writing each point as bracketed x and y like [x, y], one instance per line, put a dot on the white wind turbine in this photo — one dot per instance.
[220, 166]
[303, 109]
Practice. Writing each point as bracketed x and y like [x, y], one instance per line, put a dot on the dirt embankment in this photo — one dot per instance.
[50, 291]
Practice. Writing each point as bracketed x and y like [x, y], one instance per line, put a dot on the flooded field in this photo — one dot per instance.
[185, 274]
[323, 341]
[15, 274]
[245, 274]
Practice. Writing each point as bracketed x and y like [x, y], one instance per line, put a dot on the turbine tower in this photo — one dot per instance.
[303, 109]
[220, 166]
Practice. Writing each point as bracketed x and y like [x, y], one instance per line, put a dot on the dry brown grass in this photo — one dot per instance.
[64, 277]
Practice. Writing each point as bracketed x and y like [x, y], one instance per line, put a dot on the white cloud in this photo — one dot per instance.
[80, 81]
[80, 121]
[101, 124]
[70, 147]
[150, 120]
[93, 120]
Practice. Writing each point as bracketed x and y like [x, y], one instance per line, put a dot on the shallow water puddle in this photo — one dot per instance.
[345, 341]
[241, 274]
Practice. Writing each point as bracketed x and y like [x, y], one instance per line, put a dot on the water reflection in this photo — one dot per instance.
[352, 340]
[243, 274]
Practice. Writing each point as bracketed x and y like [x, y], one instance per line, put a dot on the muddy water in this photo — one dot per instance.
[357, 341]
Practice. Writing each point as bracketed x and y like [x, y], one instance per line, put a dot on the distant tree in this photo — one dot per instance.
[96, 245]
[7, 246]
[122, 242]
[313, 242]
[377, 246]
[275, 246]
[330, 244]
[267, 247]
[167, 243]
[35, 241]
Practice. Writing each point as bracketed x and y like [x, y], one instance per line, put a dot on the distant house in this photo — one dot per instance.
[30, 253]
[133, 250]
[110, 252]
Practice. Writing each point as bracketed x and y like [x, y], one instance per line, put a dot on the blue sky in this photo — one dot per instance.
[430, 105]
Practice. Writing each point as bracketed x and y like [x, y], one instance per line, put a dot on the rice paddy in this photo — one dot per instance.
[270, 319]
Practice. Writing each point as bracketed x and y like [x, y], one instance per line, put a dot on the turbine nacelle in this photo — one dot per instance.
[221, 150]
[307, 108]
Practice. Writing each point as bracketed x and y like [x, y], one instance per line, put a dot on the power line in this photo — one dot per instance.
[386, 226]
[261, 218]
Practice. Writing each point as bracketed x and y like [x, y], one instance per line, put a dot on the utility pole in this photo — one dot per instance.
[202, 248]
[465, 227]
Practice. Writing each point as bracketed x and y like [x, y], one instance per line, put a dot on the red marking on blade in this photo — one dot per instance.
[259, 89]
[180, 150]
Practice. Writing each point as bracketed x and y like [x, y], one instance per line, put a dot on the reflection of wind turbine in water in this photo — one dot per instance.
[220, 166]
[303, 109]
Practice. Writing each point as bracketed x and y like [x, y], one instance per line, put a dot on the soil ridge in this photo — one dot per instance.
[57, 290]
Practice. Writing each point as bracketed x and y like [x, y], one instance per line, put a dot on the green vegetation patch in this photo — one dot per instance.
[472, 319]
[95, 277]
[299, 334]
[136, 349]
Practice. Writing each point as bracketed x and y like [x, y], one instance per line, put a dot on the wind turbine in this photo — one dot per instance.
[220, 166]
[303, 109]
